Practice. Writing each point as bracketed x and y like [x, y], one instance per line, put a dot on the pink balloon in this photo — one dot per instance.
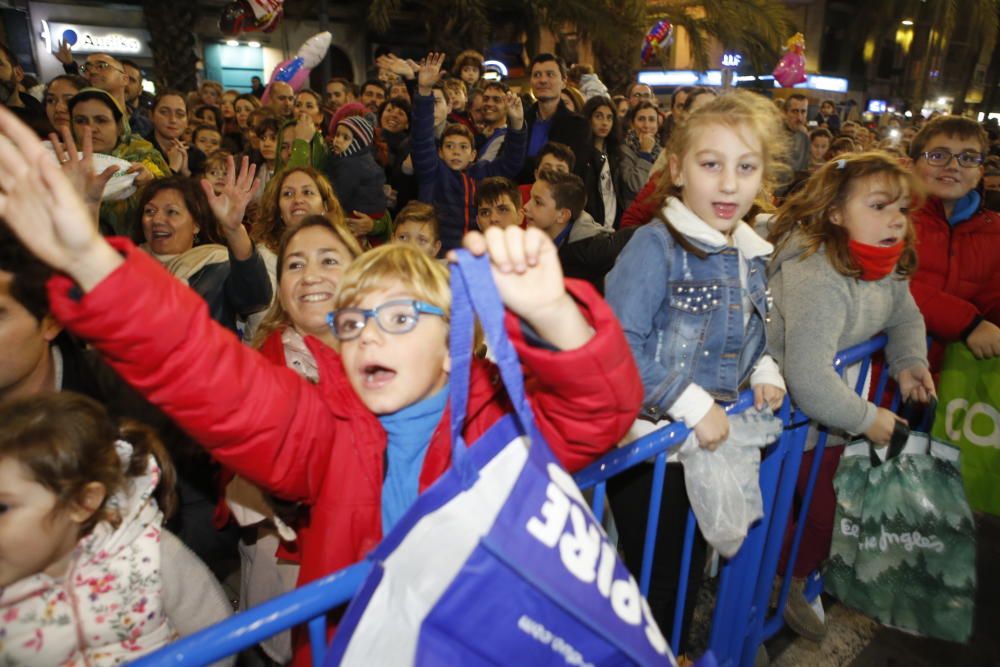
[296, 81]
[791, 69]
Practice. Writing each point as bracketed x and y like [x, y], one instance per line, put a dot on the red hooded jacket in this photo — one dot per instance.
[958, 271]
[318, 443]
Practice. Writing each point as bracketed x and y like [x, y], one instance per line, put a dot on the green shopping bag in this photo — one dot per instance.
[904, 546]
[968, 416]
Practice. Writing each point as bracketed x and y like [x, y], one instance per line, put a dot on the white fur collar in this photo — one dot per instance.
[746, 240]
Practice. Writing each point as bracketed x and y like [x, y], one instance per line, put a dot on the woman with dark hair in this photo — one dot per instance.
[170, 119]
[209, 115]
[244, 105]
[96, 110]
[603, 166]
[200, 238]
[639, 150]
[393, 119]
[58, 92]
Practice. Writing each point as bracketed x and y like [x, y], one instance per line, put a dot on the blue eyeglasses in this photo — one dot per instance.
[393, 317]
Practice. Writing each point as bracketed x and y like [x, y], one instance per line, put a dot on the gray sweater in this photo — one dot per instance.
[817, 312]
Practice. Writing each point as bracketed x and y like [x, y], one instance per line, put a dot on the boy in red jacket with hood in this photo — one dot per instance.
[957, 283]
[374, 432]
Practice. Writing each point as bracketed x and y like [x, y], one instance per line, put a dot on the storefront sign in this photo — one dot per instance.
[96, 39]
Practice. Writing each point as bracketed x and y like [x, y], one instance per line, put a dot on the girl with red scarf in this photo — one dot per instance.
[839, 276]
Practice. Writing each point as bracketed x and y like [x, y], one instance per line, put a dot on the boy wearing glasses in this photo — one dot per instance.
[957, 284]
[359, 446]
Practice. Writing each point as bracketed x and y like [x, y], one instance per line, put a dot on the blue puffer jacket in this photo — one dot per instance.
[358, 181]
[683, 316]
[453, 193]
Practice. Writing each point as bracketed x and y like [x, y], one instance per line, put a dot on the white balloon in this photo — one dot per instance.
[314, 49]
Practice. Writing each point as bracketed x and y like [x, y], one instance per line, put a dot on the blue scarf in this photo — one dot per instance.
[965, 208]
[409, 432]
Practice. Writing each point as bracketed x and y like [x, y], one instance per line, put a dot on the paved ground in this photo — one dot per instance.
[856, 641]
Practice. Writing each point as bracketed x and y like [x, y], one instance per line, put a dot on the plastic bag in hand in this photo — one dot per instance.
[723, 485]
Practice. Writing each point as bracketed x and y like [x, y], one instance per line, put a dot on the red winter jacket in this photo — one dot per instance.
[318, 443]
[958, 272]
[644, 207]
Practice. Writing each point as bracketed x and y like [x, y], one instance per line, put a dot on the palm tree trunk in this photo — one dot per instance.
[171, 31]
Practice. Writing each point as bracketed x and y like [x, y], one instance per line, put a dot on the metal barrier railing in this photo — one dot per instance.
[739, 621]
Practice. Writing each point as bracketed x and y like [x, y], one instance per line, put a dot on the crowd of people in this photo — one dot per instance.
[190, 378]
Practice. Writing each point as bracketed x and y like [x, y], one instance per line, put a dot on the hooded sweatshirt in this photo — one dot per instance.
[817, 312]
[108, 608]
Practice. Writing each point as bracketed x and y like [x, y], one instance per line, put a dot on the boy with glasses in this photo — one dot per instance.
[957, 284]
[360, 446]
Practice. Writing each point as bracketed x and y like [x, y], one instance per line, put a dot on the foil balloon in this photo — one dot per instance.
[295, 71]
[250, 16]
[657, 38]
[791, 69]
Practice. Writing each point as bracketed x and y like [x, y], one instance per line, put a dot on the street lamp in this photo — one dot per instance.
[906, 22]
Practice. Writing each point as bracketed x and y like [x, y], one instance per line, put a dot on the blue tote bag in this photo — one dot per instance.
[500, 561]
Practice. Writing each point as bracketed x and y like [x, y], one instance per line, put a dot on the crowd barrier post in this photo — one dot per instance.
[799, 425]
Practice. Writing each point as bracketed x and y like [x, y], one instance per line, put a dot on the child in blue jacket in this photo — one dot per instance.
[447, 176]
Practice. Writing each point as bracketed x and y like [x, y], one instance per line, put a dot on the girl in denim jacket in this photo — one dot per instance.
[691, 294]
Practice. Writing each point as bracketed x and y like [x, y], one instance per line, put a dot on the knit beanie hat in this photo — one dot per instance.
[363, 133]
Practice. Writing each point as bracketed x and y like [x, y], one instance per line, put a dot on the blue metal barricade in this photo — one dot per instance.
[739, 621]
[307, 604]
[759, 627]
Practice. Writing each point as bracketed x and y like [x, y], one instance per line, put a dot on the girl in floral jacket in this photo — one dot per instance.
[87, 576]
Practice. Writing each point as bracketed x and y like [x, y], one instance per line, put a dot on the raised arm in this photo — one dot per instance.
[514, 151]
[260, 419]
[230, 205]
[423, 145]
[583, 384]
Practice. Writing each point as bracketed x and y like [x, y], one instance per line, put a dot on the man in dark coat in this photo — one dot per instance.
[549, 119]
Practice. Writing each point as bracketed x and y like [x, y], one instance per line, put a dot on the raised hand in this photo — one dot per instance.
[230, 205]
[64, 54]
[430, 73]
[396, 65]
[41, 206]
[515, 111]
[529, 278]
[78, 166]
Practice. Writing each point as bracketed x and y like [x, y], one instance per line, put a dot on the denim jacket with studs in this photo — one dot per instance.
[683, 315]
